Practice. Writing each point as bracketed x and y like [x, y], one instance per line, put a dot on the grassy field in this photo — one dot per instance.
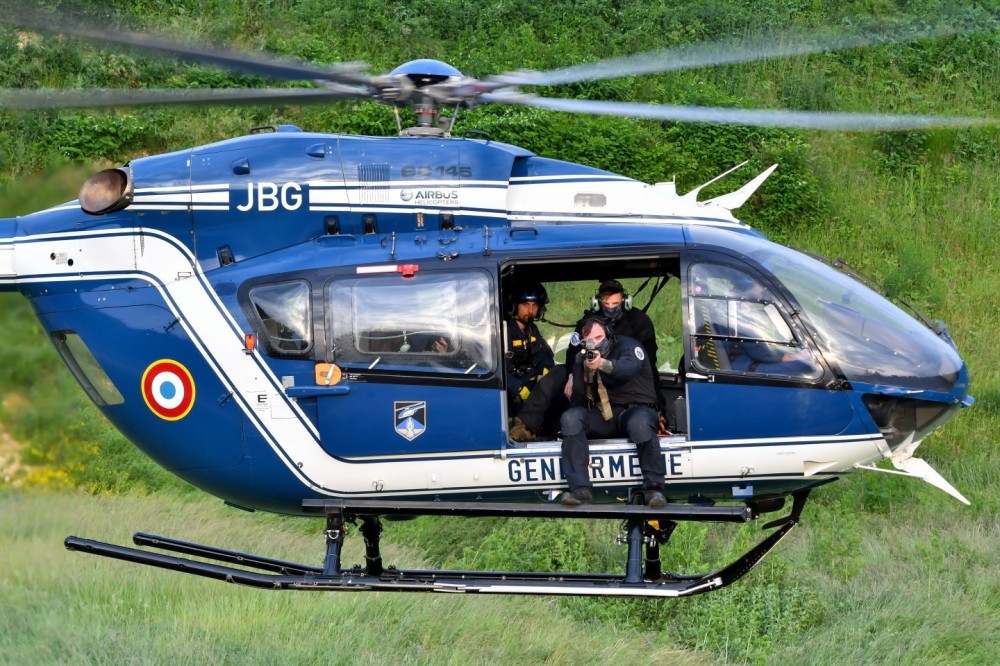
[63, 607]
[846, 588]
[882, 570]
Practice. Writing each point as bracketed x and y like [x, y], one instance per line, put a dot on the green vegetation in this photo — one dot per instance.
[62, 607]
[883, 568]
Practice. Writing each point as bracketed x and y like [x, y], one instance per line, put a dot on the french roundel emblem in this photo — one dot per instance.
[168, 389]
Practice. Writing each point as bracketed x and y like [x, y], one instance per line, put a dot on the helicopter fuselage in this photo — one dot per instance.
[256, 316]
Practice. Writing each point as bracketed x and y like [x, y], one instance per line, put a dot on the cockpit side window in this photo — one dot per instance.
[285, 316]
[737, 326]
[427, 322]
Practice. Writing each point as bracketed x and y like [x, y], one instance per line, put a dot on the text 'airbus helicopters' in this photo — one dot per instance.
[309, 323]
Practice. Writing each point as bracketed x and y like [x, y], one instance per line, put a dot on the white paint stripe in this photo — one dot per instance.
[430, 210]
[624, 220]
[162, 198]
[211, 197]
[184, 188]
[580, 177]
[385, 268]
[7, 261]
[327, 196]
[623, 446]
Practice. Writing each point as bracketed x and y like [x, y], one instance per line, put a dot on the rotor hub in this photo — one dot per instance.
[426, 72]
[419, 75]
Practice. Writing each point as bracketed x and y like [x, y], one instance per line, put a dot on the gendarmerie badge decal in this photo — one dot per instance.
[411, 418]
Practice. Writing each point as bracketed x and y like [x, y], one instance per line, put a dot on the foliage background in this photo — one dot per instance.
[883, 568]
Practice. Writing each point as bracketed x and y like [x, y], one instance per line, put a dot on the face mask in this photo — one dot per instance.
[604, 347]
[613, 314]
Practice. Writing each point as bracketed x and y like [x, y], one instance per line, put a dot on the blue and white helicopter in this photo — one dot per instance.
[253, 315]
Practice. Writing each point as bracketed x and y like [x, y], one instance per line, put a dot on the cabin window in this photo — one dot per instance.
[285, 316]
[86, 369]
[427, 322]
[738, 327]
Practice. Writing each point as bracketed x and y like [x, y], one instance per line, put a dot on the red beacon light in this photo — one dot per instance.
[407, 270]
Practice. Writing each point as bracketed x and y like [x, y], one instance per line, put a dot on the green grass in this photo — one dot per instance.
[845, 587]
[58, 606]
[883, 569]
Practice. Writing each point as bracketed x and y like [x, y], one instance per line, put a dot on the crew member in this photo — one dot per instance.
[613, 303]
[529, 357]
[541, 412]
[612, 394]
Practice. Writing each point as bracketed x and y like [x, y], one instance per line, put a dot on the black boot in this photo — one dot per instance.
[655, 499]
[578, 496]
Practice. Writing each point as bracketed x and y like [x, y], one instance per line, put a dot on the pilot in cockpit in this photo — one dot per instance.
[763, 335]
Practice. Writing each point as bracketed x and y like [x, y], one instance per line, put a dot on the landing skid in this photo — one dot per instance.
[644, 529]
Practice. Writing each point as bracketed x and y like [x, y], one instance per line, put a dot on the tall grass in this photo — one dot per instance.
[58, 606]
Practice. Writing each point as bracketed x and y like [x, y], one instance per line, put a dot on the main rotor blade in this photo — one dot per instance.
[289, 70]
[11, 98]
[725, 52]
[819, 120]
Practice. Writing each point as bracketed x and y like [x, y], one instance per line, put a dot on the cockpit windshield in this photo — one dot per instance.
[867, 336]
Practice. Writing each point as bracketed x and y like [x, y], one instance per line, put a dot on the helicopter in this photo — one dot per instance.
[249, 314]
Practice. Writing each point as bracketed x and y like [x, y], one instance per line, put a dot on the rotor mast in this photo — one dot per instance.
[415, 79]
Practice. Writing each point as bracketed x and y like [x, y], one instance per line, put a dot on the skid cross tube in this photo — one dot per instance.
[644, 526]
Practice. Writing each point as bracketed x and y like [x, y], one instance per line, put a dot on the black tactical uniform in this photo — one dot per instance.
[528, 358]
[630, 403]
[546, 402]
[631, 323]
